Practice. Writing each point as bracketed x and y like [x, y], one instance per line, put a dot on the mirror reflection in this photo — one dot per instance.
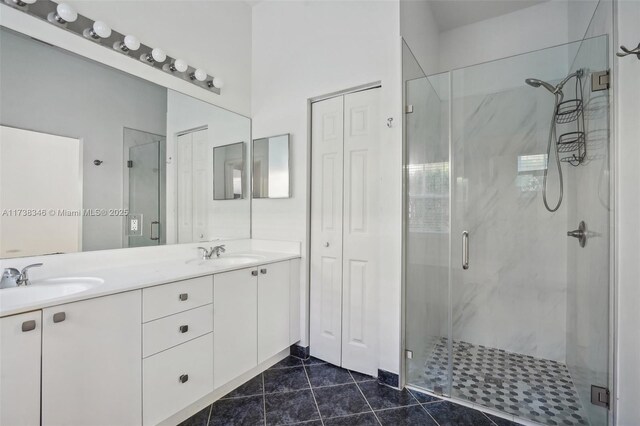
[94, 158]
[271, 167]
[228, 172]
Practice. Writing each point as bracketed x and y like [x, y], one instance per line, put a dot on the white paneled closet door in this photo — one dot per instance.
[194, 183]
[344, 230]
[327, 136]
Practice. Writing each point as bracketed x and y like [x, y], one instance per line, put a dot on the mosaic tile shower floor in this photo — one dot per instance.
[531, 388]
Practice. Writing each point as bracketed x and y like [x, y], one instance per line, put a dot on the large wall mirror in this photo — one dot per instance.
[271, 167]
[94, 158]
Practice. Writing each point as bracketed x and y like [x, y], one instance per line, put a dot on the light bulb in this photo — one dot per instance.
[98, 30]
[217, 82]
[199, 74]
[180, 65]
[158, 55]
[102, 29]
[63, 14]
[129, 43]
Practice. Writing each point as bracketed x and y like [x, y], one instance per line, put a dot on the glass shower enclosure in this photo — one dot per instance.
[504, 309]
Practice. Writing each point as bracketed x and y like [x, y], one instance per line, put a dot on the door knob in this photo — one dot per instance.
[580, 234]
[326, 244]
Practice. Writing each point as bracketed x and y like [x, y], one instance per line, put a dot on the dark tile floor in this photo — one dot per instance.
[311, 392]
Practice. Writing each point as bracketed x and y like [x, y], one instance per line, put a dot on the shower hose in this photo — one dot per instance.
[553, 142]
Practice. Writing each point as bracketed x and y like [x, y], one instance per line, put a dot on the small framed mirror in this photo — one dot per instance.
[271, 167]
[228, 172]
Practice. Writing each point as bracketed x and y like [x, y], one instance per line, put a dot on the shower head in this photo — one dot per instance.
[534, 82]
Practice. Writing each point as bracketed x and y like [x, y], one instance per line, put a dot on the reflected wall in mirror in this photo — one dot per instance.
[271, 167]
[91, 157]
[228, 172]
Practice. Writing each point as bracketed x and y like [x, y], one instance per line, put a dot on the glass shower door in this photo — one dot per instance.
[144, 192]
[426, 227]
[529, 305]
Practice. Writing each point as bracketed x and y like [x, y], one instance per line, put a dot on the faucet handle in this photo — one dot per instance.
[33, 265]
[9, 277]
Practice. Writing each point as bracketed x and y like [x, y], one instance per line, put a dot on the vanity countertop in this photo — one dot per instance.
[118, 279]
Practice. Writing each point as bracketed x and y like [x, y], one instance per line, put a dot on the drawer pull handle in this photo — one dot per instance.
[184, 378]
[28, 325]
[59, 317]
[254, 273]
[184, 328]
[263, 271]
[183, 296]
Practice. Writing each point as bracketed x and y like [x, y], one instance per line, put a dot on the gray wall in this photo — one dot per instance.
[49, 90]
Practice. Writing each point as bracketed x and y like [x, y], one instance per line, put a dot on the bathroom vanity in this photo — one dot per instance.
[136, 350]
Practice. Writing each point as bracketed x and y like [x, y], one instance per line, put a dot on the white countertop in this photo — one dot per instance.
[147, 273]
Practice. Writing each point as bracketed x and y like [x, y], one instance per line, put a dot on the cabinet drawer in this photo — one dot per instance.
[175, 329]
[176, 378]
[168, 299]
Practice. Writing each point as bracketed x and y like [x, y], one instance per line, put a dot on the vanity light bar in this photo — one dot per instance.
[64, 16]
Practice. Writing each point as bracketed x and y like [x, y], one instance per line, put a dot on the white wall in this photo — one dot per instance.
[420, 31]
[544, 25]
[309, 48]
[627, 86]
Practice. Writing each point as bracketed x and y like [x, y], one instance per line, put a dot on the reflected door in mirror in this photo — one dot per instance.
[40, 193]
[193, 178]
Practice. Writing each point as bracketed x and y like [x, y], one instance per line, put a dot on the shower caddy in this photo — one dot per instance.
[572, 143]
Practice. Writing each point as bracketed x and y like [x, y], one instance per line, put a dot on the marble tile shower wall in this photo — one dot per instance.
[514, 295]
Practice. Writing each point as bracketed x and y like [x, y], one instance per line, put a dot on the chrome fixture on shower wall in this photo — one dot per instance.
[572, 143]
[65, 17]
[627, 52]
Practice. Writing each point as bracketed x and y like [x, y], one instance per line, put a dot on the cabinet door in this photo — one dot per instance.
[235, 324]
[273, 309]
[92, 362]
[20, 369]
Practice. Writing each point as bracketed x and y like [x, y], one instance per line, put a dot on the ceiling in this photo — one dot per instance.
[451, 14]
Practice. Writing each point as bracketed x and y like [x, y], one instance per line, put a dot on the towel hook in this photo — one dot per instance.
[627, 52]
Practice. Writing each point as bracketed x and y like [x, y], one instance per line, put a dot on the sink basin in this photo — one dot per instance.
[229, 260]
[43, 290]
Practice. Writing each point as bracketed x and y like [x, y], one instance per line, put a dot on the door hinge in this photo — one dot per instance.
[408, 354]
[600, 396]
[408, 109]
[600, 80]
[129, 163]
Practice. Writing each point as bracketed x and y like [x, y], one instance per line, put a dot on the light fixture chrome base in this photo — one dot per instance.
[147, 57]
[120, 46]
[169, 67]
[54, 18]
[17, 3]
[91, 34]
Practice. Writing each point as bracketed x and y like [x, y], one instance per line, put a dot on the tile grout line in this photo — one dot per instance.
[424, 408]
[209, 416]
[264, 400]
[365, 398]
[313, 395]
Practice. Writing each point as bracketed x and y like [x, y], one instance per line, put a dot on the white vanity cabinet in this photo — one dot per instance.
[20, 369]
[235, 327]
[177, 368]
[91, 369]
[253, 317]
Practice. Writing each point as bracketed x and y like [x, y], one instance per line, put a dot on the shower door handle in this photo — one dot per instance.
[157, 236]
[465, 250]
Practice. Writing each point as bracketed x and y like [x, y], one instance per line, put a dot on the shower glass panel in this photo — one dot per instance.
[503, 308]
[144, 177]
[426, 225]
[530, 314]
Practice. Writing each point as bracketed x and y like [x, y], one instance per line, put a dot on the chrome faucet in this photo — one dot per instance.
[217, 250]
[11, 277]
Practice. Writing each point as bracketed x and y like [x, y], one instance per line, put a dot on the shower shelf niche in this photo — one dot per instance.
[567, 112]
